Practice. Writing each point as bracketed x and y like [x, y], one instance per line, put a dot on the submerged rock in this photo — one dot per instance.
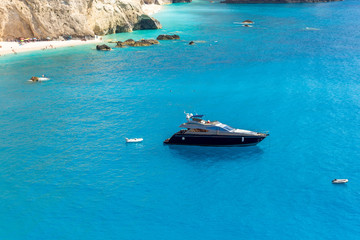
[103, 47]
[168, 37]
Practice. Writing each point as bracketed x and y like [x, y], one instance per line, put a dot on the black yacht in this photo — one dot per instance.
[212, 133]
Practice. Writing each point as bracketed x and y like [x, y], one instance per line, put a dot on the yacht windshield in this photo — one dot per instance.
[228, 128]
[221, 127]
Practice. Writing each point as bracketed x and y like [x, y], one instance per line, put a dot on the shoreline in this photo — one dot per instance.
[7, 48]
[15, 48]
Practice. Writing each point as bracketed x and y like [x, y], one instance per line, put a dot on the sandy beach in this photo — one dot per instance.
[15, 47]
[151, 9]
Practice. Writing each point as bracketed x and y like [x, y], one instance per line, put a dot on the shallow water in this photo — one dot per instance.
[67, 173]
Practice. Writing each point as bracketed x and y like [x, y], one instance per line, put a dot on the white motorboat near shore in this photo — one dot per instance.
[339, 181]
[133, 140]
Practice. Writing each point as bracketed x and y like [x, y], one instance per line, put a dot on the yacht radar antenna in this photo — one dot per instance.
[188, 115]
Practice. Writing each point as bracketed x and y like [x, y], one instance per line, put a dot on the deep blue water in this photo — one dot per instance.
[67, 173]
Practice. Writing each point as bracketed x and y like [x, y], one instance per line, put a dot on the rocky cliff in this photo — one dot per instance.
[57, 18]
[277, 1]
[161, 2]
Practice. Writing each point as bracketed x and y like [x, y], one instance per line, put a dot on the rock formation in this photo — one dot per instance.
[76, 18]
[277, 1]
[119, 44]
[168, 37]
[146, 22]
[145, 42]
[140, 43]
[129, 42]
[103, 47]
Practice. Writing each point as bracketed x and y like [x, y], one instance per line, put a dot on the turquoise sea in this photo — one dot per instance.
[67, 173]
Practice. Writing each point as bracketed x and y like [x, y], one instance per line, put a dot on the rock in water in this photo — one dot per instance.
[152, 41]
[103, 47]
[147, 22]
[168, 37]
[140, 43]
[145, 42]
[119, 44]
[129, 42]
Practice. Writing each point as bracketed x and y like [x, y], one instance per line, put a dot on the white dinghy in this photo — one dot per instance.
[44, 79]
[338, 181]
[133, 140]
[38, 79]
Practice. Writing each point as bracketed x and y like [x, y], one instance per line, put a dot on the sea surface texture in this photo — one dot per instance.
[67, 173]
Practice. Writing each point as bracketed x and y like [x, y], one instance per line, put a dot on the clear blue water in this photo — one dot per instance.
[66, 172]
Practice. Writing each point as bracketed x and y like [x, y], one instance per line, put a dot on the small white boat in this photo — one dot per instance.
[339, 181]
[133, 140]
[312, 29]
[44, 79]
[38, 79]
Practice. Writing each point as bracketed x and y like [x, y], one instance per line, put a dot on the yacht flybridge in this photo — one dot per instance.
[201, 132]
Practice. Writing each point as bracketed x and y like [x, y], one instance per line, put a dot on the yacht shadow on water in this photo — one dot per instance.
[215, 154]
